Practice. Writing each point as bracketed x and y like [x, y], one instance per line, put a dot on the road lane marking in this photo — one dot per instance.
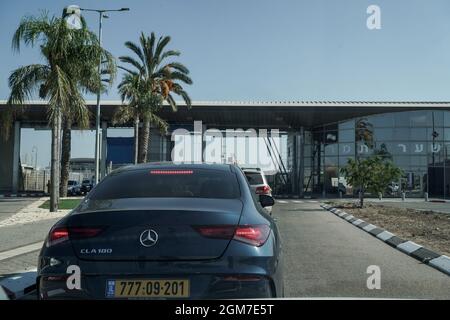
[281, 201]
[21, 250]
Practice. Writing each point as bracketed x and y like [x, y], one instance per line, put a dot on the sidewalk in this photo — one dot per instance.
[23, 227]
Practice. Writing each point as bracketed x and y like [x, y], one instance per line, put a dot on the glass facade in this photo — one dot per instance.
[417, 141]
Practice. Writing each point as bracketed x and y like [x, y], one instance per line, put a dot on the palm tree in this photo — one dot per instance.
[68, 71]
[69, 118]
[149, 83]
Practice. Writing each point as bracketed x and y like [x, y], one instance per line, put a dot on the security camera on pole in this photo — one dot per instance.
[72, 15]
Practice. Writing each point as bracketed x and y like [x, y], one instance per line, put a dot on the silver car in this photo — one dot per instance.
[258, 183]
[73, 188]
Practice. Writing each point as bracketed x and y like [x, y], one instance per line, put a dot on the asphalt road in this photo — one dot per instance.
[324, 256]
[19, 235]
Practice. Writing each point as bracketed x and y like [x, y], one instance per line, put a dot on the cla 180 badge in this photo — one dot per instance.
[96, 251]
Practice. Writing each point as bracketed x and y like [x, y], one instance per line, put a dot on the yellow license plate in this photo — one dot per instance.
[158, 288]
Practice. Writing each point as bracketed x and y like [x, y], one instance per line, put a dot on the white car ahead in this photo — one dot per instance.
[258, 183]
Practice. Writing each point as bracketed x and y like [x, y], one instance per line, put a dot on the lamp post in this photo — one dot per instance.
[101, 14]
[35, 150]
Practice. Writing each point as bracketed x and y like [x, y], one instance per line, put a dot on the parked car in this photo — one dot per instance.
[73, 188]
[175, 231]
[258, 183]
[393, 188]
[86, 186]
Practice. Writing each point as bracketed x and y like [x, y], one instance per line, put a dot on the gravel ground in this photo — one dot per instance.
[427, 228]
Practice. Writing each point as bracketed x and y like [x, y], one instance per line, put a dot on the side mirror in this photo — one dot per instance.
[266, 201]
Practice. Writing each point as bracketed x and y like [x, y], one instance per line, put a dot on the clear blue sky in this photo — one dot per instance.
[276, 50]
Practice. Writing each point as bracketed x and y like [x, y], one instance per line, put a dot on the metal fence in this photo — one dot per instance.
[38, 180]
[35, 180]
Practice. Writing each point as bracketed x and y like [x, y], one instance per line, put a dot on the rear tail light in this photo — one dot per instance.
[255, 235]
[57, 235]
[263, 190]
[62, 234]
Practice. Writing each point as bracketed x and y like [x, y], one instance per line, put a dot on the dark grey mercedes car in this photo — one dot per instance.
[162, 230]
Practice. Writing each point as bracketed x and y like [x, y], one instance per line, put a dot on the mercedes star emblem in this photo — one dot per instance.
[148, 238]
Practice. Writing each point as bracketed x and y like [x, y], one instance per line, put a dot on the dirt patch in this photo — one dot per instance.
[427, 228]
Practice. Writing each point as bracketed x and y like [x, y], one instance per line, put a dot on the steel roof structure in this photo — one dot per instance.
[246, 114]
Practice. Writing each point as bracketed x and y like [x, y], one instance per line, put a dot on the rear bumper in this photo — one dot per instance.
[242, 272]
[201, 286]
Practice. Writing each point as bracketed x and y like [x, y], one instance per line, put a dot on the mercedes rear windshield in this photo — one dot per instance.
[168, 183]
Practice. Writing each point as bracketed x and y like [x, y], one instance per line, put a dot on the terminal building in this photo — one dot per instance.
[307, 142]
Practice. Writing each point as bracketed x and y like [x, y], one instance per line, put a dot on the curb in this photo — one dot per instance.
[424, 255]
[20, 195]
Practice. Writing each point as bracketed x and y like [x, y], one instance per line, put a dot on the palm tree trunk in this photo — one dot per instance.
[144, 138]
[136, 139]
[65, 157]
[54, 170]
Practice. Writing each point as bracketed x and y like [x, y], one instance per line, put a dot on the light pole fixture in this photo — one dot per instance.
[35, 150]
[101, 14]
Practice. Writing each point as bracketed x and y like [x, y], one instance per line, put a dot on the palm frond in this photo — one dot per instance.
[127, 70]
[137, 50]
[167, 54]
[176, 75]
[25, 80]
[178, 66]
[186, 98]
[159, 123]
[172, 102]
[123, 114]
[162, 43]
[29, 30]
[133, 62]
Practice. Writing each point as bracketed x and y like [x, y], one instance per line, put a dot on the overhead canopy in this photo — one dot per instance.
[227, 114]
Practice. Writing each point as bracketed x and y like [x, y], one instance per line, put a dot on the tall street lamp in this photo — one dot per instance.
[101, 14]
[35, 150]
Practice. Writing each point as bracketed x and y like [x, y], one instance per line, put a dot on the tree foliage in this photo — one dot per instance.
[373, 174]
[70, 58]
[69, 69]
[149, 80]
